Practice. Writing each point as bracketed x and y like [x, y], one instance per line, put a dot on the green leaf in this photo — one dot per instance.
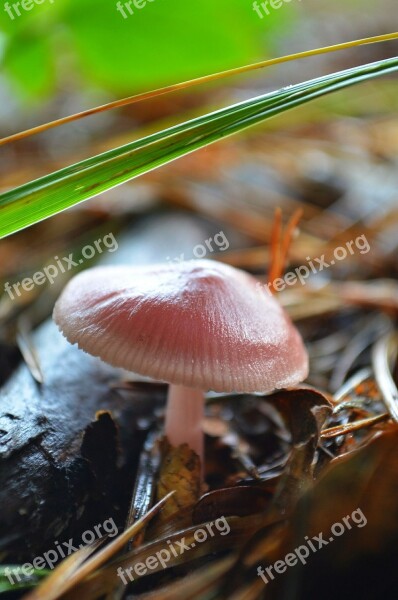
[53, 193]
[29, 65]
[161, 42]
[165, 40]
[10, 582]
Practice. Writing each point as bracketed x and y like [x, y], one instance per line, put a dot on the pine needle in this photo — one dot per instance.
[281, 243]
[275, 266]
[197, 81]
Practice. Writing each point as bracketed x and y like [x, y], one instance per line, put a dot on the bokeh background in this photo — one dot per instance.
[336, 159]
[64, 56]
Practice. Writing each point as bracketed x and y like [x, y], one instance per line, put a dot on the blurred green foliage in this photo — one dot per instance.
[67, 43]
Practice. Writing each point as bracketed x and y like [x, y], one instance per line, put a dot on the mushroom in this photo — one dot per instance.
[198, 325]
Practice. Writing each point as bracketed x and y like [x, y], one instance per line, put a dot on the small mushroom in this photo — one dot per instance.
[197, 325]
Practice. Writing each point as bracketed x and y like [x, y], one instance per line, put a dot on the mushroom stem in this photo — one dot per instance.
[184, 414]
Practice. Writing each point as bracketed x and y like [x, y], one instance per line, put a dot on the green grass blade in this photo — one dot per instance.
[49, 195]
[12, 578]
[184, 85]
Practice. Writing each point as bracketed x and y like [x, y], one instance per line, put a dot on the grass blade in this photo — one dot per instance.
[198, 81]
[51, 194]
[13, 579]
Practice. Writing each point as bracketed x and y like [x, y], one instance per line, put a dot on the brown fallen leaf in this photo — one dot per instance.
[180, 471]
[305, 411]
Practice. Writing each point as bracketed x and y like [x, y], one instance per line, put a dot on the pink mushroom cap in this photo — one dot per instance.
[198, 324]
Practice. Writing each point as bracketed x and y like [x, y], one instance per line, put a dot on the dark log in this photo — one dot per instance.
[69, 447]
[64, 466]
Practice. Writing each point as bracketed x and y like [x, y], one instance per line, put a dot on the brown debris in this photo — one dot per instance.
[180, 471]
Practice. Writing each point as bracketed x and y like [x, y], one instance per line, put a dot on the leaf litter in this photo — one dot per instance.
[289, 464]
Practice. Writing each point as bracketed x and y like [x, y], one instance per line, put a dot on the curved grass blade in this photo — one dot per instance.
[51, 194]
[197, 81]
